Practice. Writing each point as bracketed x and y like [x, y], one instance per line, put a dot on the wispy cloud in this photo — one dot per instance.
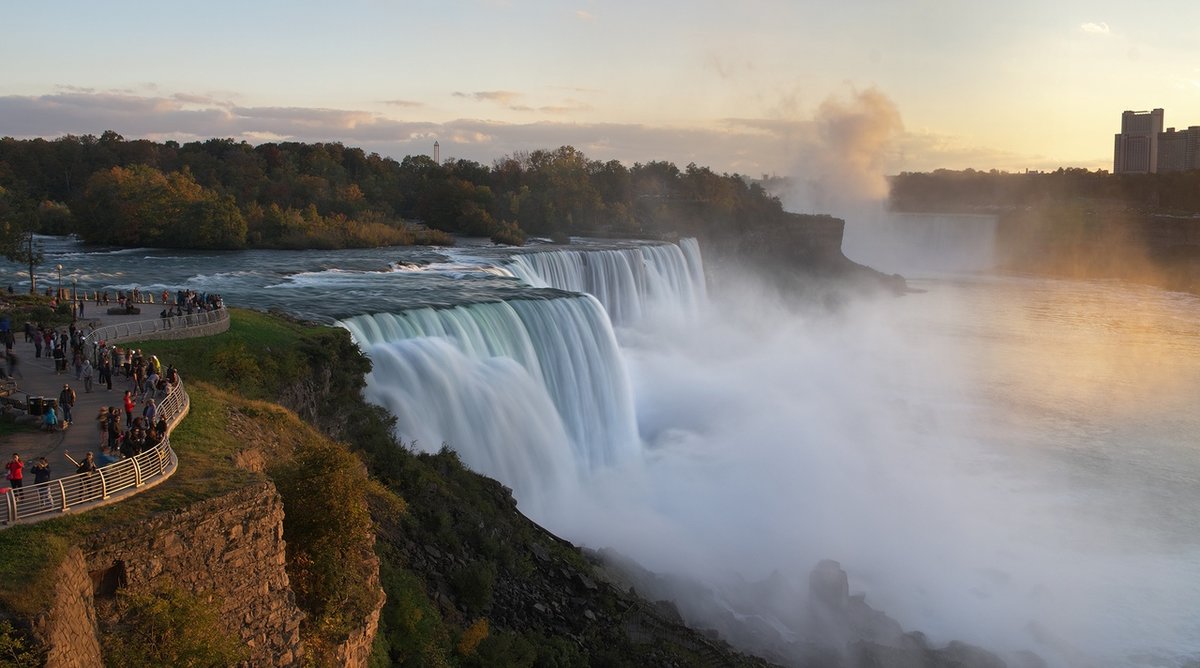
[408, 104]
[1095, 28]
[584, 15]
[866, 124]
[505, 97]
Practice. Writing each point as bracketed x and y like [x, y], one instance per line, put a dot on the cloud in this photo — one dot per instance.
[504, 97]
[409, 104]
[846, 146]
[584, 15]
[1095, 28]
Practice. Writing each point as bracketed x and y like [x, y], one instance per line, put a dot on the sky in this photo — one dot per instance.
[748, 86]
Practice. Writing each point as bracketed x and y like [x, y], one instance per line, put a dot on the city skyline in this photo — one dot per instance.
[767, 87]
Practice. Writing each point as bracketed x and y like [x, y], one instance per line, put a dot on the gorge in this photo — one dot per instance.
[996, 459]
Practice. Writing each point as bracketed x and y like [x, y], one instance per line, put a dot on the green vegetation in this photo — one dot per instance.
[974, 191]
[225, 194]
[17, 650]
[168, 626]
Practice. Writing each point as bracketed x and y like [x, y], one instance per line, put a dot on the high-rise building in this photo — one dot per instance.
[1136, 148]
[1179, 151]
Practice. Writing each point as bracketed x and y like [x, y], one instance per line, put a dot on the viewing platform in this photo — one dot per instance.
[37, 387]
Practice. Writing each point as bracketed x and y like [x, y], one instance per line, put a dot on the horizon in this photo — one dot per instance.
[771, 88]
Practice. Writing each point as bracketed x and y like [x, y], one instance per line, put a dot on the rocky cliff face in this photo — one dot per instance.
[229, 550]
[796, 253]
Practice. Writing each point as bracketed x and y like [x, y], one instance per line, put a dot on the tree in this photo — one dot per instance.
[17, 227]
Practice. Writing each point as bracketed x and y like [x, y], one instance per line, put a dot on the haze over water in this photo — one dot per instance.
[1008, 461]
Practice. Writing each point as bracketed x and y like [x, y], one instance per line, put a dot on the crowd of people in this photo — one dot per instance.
[133, 426]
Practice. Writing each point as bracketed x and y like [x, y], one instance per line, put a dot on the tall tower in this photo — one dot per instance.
[1135, 150]
[437, 152]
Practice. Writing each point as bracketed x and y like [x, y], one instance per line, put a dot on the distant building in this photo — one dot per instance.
[1179, 151]
[1136, 148]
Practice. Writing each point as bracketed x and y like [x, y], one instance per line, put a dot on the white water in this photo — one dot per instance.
[921, 244]
[1003, 461]
[629, 282]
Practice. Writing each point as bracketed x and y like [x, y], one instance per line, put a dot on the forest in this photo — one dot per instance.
[972, 191]
[226, 194]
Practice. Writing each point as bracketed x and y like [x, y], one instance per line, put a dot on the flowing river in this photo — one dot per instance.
[1009, 461]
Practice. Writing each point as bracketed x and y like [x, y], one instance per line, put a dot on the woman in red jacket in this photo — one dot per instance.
[15, 471]
[129, 405]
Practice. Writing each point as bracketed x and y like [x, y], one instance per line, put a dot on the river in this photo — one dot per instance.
[1011, 461]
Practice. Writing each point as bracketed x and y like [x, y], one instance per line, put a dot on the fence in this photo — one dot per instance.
[142, 329]
[149, 467]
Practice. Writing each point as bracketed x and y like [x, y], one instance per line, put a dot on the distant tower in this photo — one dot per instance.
[1136, 148]
[437, 152]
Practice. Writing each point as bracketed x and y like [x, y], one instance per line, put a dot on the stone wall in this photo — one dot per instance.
[355, 651]
[68, 630]
[230, 547]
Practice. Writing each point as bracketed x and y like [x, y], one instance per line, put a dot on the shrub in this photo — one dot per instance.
[473, 584]
[167, 626]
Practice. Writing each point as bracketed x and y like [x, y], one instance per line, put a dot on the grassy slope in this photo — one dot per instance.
[470, 581]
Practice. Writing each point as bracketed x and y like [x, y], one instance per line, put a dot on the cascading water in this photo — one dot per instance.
[629, 282]
[530, 391]
[921, 244]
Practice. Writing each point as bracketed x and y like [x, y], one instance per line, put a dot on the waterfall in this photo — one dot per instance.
[529, 391]
[922, 244]
[629, 282]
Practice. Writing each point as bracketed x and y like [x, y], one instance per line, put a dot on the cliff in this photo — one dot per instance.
[796, 252]
[1077, 241]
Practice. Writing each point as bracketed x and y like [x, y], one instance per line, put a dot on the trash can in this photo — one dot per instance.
[35, 406]
[60, 364]
[50, 403]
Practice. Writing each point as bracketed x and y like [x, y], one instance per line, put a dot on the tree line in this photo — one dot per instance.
[222, 193]
[945, 190]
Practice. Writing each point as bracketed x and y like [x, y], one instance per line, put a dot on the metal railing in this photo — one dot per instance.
[62, 494]
[141, 328]
[148, 467]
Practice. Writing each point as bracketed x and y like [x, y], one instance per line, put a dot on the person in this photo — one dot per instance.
[41, 474]
[129, 405]
[149, 411]
[50, 420]
[87, 375]
[106, 370]
[15, 471]
[13, 371]
[66, 399]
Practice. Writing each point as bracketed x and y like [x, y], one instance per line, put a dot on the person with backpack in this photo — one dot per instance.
[66, 399]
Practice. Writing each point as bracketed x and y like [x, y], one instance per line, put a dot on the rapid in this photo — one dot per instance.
[1005, 460]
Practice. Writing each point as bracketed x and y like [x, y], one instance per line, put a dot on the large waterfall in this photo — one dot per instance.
[921, 244]
[530, 391]
[629, 282]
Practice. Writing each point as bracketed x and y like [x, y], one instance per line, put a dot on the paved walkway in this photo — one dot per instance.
[38, 378]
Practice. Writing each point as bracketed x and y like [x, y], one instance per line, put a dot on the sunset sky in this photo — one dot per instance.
[755, 86]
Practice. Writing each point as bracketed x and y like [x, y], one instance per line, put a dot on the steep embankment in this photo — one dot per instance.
[797, 252]
[1075, 241]
[260, 549]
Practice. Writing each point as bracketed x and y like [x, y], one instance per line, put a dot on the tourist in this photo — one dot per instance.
[66, 399]
[86, 373]
[15, 471]
[129, 406]
[13, 371]
[105, 370]
[50, 420]
[41, 474]
[38, 337]
[150, 411]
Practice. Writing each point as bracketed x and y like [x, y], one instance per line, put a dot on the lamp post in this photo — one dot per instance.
[59, 295]
[74, 295]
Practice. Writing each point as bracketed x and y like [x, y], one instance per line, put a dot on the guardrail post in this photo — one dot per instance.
[12, 506]
[137, 473]
[62, 490]
[103, 484]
